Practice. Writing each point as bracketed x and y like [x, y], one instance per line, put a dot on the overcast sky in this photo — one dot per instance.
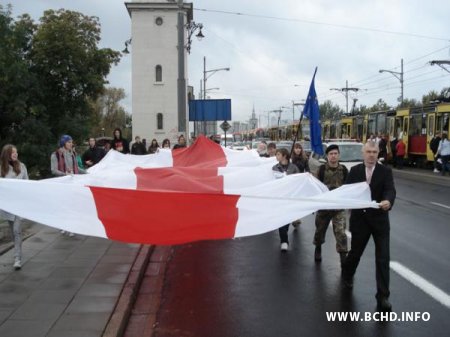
[273, 47]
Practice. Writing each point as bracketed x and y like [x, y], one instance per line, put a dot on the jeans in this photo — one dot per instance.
[445, 164]
[400, 162]
[16, 232]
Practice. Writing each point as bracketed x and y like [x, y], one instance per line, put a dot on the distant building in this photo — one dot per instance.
[244, 127]
[253, 122]
[236, 126]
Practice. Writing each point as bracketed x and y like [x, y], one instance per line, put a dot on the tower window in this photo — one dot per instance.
[158, 73]
[159, 121]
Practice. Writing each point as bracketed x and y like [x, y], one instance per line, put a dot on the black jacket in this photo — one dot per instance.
[138, 148]
[94, 154]
[434, 144]
[381, 185]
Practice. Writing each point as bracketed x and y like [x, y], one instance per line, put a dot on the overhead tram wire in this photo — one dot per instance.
[376, 30]
[423, 74]
[335, 25]
[243, 54]
[433, 52]
[362, 82]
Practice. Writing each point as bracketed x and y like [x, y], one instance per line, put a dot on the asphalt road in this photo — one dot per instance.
[246, 287]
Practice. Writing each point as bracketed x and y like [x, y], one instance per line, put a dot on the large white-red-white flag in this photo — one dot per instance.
[198, 193]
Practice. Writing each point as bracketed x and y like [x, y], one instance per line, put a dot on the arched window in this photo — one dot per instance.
[158, 73]
[159, 121]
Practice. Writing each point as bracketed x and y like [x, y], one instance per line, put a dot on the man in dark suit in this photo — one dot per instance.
[370, 221]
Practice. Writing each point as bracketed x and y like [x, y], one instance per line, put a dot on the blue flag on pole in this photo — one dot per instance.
[311, 111]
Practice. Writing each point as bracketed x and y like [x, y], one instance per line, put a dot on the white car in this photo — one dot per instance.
[350, 155]
[239, 146]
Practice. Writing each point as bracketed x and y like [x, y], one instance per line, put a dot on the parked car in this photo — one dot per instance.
[350, 155]
[239, 146]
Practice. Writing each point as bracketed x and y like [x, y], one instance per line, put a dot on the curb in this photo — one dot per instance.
[119, 318]
[422, 177]
[9, 245]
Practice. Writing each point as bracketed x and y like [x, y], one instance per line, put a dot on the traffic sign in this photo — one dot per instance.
[225, 126]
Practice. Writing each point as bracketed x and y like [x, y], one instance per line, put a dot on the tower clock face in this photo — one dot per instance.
[159, 21]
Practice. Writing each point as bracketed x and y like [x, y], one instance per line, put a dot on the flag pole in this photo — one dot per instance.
[306, 106]
[296, 134]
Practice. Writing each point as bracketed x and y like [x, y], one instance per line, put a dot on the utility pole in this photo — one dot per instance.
[346, 90]
[399, 76]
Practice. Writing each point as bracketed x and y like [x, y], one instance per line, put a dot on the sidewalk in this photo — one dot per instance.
[422, 175]
[68, 286]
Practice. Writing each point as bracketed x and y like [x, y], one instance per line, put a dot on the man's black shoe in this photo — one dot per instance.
[383, 305]
[318, 254]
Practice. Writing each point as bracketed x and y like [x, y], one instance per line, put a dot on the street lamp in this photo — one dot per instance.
[127, 43]
[191, 27]
[210, 72]
[210, 89]
[399, 76]
[207, 74]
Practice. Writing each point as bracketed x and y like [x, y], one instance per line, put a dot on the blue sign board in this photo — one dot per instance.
[210, 110]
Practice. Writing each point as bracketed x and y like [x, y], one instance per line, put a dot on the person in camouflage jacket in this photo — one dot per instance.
[333, 175]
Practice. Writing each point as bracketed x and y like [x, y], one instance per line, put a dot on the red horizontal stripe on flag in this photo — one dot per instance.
[203, 153]
[181, 179]
[165, 217]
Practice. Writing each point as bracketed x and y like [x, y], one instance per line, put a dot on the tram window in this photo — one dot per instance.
[438, 123]
[424, 124]
[416, 125]
[431, 126]
[381, 125]
[445, 128]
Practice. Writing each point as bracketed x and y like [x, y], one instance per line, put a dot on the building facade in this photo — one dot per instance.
[155, 61]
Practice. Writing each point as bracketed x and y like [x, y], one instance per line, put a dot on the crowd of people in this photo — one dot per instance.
[364, 223]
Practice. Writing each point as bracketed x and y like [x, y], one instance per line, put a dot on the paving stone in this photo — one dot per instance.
[81, 322]
[91, 304]
[33, 310]
[24, 328]
[52, 296]
[61, 284]
[100, 290]
[70, 272]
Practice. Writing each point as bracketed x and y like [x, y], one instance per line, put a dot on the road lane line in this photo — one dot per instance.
[438, 204]
[430, 289]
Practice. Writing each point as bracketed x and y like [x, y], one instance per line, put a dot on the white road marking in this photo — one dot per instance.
[438, 204]
[430, 289]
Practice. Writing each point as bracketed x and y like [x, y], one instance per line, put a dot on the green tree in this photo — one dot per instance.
[14, 76]
[380, 105]
[71, 68]
[410, 103]
[109, 114]
[50, 73]
[431, 96]
[328, 110]
[444, 96]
